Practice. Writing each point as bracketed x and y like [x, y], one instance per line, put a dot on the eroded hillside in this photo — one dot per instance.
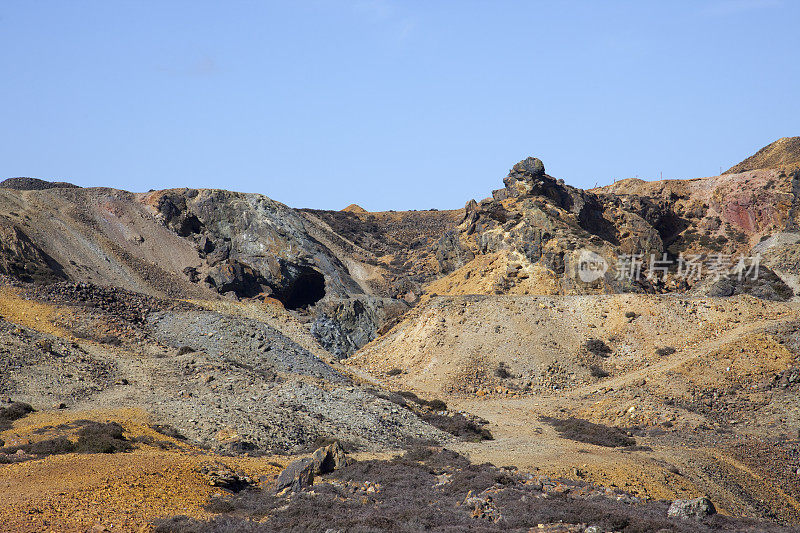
[783, 154]
[247, 335]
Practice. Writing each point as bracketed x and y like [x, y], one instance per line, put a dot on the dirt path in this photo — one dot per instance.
[522, 440]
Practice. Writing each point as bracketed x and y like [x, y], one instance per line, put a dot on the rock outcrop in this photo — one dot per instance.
[252, 245]
[541, 225]
[345, 325]
[296, 477]
[764, 284]
[330, 458]
[450, 254]
[696, 508]
[300, 473]
[530, 236]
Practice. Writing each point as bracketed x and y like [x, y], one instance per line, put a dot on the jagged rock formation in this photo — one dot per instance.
[343, 326]
[450, 254]
[530, 237]
[540, 225]
[250, 245]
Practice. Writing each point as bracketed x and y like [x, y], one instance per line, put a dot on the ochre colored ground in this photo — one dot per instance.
[114, 492]
[28, 313]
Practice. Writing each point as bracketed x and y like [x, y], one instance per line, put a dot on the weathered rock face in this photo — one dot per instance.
[343, 326]
[232, 276]
[721, 214]
[253, 245]
[21, 259]
[541, 222]
[296, 477]
[542, 228]
[397, 251]
[450, 254]
[765, 285]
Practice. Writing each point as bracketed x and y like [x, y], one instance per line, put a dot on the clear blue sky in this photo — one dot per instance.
[389, 104]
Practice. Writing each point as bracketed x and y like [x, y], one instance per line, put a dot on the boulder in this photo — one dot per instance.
[527, 177]
[696, 508]
[236, 277]
[531, 166]
[521, 177]
[297, 476]
[329, 458]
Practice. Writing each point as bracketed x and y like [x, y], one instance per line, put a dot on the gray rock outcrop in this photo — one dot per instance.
[696, 508]
[296, 477]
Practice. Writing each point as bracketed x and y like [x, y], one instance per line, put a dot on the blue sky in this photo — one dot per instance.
[389, 104]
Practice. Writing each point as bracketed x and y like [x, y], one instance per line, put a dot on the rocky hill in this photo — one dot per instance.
[219, 244]
[209, 338]
[34, 184]
[783, 154]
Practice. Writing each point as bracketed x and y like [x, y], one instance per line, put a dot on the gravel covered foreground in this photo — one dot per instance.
[246, 386]
[230, 384]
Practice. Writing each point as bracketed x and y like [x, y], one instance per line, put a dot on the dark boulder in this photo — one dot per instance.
[236, 277]
[330, 458]
[296, 476]
[765, 285]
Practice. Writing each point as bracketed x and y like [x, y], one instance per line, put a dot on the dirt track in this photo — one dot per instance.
[725, 353]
